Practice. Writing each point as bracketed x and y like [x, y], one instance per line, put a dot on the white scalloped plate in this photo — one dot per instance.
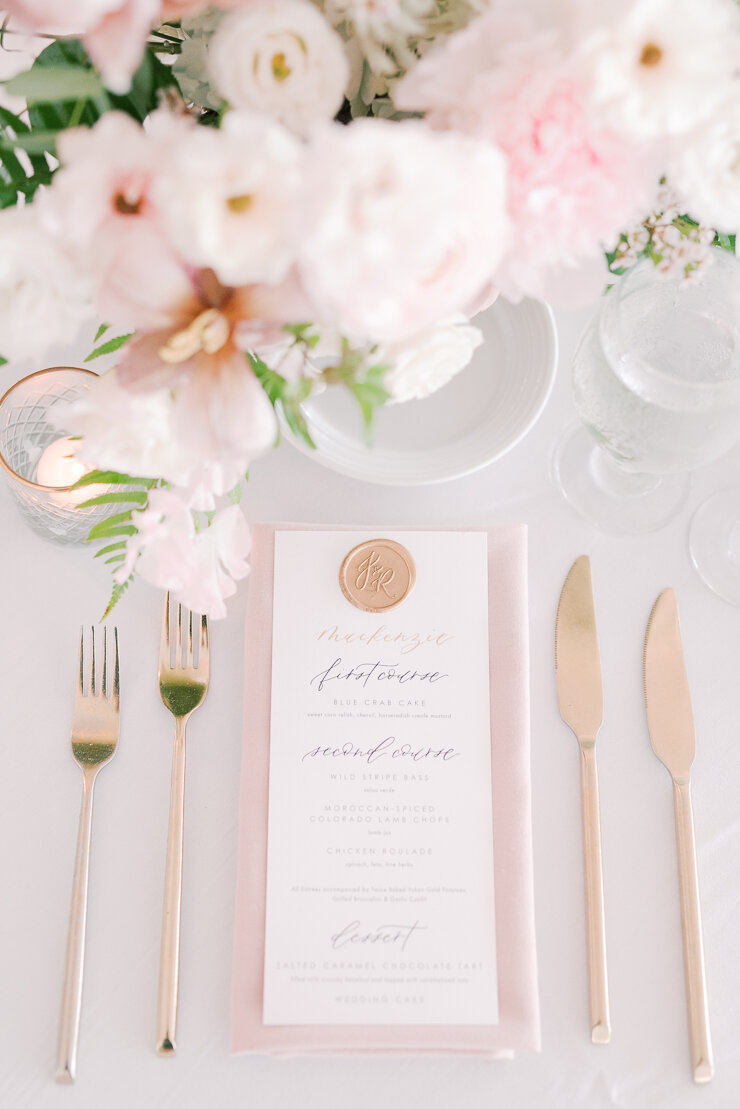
[471, 422]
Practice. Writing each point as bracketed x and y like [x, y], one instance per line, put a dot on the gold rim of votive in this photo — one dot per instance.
[29, 377]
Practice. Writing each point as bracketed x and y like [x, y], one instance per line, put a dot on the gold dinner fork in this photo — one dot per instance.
[94, 741]
[183, 683]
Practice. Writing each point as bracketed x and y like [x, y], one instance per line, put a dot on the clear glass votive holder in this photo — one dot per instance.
[32, 419]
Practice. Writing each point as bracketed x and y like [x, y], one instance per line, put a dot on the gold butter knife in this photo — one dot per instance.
[671, 726]
[578, 671]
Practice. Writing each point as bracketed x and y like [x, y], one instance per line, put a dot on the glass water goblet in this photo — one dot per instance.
[656, 381]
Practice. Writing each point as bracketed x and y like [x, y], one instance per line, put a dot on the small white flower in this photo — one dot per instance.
[44, 296]
[706, 170]
[661, 67]
[236, 214]
[420, 367]
[280, 57]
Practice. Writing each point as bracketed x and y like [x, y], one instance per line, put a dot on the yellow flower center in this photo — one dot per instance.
[651, 54]
[240, 204]
[280, 67]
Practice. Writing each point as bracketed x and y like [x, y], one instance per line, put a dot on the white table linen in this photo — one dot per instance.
[48, 591]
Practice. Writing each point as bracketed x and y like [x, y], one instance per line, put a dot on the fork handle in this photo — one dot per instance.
[69, 1022]
[169, 960]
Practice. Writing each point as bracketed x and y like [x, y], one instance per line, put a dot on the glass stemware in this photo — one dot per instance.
[656, 381]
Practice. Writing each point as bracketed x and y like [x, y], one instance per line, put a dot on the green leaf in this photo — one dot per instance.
[3, 361]
[110, 532]
[273, 383]
[235, 494]
[101, 331]
[148, 81]
[113, 526]
[109, 347]
[117, 559]
[56, 82]
[726, 242]
[37, 142]
[119, 588]
[297, 421]
[120, 546]
[136, 496]
[112, 477]
[16, 179]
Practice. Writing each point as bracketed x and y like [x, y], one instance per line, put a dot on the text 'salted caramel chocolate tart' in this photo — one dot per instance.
[377, 575]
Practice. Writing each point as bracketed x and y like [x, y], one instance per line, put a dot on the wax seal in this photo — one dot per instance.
[377, 575]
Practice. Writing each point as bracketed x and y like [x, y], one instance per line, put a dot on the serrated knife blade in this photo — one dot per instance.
[578, 674]
[671, 727]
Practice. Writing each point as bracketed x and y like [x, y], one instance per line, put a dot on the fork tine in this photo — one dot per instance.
[104, 686]
[189, 648]
[92, 690]
[116, 681]
[203, 658]
[178, 644]
[79, 688]
[164, 640]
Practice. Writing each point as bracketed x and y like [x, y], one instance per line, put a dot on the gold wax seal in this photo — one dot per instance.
[377, 575]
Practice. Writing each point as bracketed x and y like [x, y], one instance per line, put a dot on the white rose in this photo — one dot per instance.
[706, 171]
[283, 58]
[421, 367]
[237, 213]
[405, 226]
[44, 297]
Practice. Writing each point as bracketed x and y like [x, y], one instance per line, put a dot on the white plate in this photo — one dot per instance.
[469, 423]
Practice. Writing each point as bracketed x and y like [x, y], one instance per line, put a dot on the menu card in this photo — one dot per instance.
[380, 892]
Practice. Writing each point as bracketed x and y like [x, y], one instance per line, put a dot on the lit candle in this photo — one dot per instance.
[58, 467]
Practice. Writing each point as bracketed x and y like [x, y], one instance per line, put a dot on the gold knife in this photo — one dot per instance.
[671, 726]
[578, 671]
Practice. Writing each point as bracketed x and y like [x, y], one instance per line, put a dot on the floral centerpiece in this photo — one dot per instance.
[265, 198]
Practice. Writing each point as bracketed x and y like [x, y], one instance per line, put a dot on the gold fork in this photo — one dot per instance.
[183, 683]
[94, 741]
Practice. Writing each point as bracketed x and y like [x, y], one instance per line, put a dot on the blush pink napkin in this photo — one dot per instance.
[515, 937]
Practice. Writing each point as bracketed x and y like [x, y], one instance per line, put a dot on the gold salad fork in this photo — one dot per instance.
[94, 741]
[183, 683]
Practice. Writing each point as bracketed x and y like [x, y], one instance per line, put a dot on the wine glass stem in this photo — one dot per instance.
[615, 479]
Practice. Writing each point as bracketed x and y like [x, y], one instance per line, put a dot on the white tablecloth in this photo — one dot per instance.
[48, 591]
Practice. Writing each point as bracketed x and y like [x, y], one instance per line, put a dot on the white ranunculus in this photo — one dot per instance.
[44, 297]
[705, 171]
[236, 212]
[283, 58]
[661, 67]
[422, 366]
[405, 226]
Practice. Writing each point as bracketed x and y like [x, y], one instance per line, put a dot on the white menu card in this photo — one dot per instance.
[380, 895]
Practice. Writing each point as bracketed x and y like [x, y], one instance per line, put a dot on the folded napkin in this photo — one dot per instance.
[518, 1025]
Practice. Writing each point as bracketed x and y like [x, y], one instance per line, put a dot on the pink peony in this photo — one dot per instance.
[571, 182]
[404, 226]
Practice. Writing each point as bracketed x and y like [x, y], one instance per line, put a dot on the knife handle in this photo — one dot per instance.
[598, 990]
[702, 1063]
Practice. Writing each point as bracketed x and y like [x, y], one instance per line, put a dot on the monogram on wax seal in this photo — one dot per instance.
[377, 575]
